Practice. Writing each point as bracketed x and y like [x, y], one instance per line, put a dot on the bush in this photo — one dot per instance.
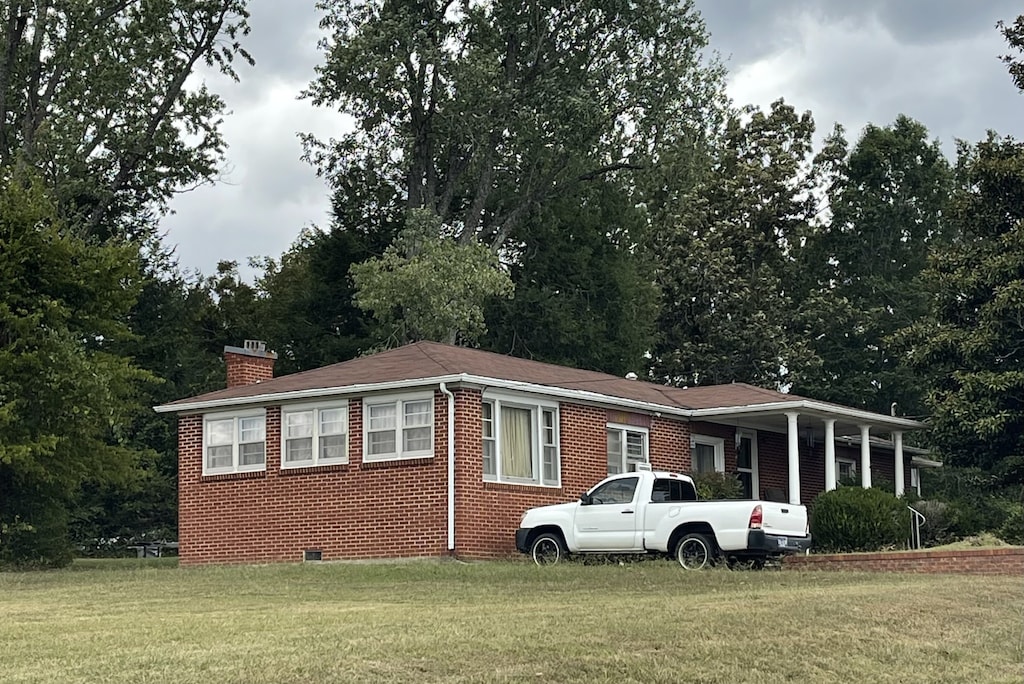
[940, 524]
[717, 485]
[857, 519]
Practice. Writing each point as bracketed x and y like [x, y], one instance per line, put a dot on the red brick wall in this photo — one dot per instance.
[357, 510]
[488, 513]
[772, 462]
[999, 561]
[670, 445]
[246, 369]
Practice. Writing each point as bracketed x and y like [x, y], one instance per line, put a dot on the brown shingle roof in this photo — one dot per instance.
[423, 360]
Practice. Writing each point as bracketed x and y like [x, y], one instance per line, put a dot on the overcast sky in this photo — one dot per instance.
[851, 62]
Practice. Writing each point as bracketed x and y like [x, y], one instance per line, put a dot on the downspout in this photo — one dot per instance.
[451, 468]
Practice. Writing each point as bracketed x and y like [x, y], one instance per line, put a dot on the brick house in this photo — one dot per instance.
[431, 450]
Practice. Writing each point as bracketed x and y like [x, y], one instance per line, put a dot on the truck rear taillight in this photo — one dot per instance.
[756, 516]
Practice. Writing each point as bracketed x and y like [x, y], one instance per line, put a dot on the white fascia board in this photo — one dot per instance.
[511, 385]
[816, 408]
[583, 396]
[318, 393]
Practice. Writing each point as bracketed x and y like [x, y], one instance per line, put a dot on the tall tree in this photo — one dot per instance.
[726, 258]
[584, 289]
[973, 346]
[65, 395]
[481, 112]
[95, 95]
[887, 198]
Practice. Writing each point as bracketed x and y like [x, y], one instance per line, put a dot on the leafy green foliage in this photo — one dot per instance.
[583, 296]
[725, 259]
[715, 485]
[1014, 35]
[971, 344]
[888, 198]
[427, 286]
[857, 519]
[65, 394]
[307, 307]
[96, 97]
[481, 112]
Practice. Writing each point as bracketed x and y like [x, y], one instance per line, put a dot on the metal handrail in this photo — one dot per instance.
[916, 520]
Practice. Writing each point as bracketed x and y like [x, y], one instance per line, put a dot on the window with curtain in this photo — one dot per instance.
[520, 442]
[396, 428]
[707, 454]
[626, 446]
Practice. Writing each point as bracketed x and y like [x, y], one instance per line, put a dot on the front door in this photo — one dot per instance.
[610, 521]
[746, 464]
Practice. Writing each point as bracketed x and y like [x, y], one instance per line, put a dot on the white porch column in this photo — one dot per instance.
[792, 432]
[897, 445]
[865, 456]
[830, 454]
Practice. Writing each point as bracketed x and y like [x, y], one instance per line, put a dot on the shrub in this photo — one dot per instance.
[939, 526]
[717, 485]
[857, 519]
[1012, 531]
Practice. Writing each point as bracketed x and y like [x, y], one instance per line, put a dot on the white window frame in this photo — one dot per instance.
[236, 418]
[315, 459]
[399, 401]
[623, 430]
[754, 483]
[719, 445]
[545, 439]
[915, 480]
[849, 461]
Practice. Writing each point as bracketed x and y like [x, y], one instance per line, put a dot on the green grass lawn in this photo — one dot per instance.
[148, 621]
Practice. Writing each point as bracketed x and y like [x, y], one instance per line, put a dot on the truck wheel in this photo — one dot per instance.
[547, 549]
[695, 552]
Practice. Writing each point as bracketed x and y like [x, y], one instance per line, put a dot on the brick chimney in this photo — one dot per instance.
[249, 364]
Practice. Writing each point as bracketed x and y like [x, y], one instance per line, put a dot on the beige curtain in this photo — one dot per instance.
[516, 460]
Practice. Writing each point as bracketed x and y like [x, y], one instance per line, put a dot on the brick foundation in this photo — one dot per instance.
[997, 561]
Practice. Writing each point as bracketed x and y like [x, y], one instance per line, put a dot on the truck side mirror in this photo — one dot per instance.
[585, 499]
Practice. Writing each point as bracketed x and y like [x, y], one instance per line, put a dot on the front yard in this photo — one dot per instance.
[148, 621]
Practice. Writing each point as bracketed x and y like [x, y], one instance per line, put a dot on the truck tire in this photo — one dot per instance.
[547, 548]
[695, 552]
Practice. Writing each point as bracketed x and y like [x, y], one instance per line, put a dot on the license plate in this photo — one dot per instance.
[783, 541]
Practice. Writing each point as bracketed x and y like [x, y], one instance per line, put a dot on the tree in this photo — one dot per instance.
[65, 396]
[482, 113]
[887, 198]
[973, 344]
[1014, 35]
[95, 95]
[428, 287]
[584, 291]
[726, 255]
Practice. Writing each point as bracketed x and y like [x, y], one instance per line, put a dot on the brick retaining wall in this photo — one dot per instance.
[996, 561]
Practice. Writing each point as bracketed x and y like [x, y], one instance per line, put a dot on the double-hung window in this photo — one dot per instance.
[707, 454]
[627, 446]
[520, 441]
[396, 428]
[234, 443]
[314, 435]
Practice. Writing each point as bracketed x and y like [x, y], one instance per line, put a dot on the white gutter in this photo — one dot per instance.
[804, 406]
[798, 405]
[451, 467]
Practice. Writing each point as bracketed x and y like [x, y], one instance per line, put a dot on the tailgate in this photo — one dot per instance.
[785, 519]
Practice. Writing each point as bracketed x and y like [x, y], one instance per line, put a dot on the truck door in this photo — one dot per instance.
[610, 521]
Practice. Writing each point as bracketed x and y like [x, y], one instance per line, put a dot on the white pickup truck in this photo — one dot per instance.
[658, 512]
